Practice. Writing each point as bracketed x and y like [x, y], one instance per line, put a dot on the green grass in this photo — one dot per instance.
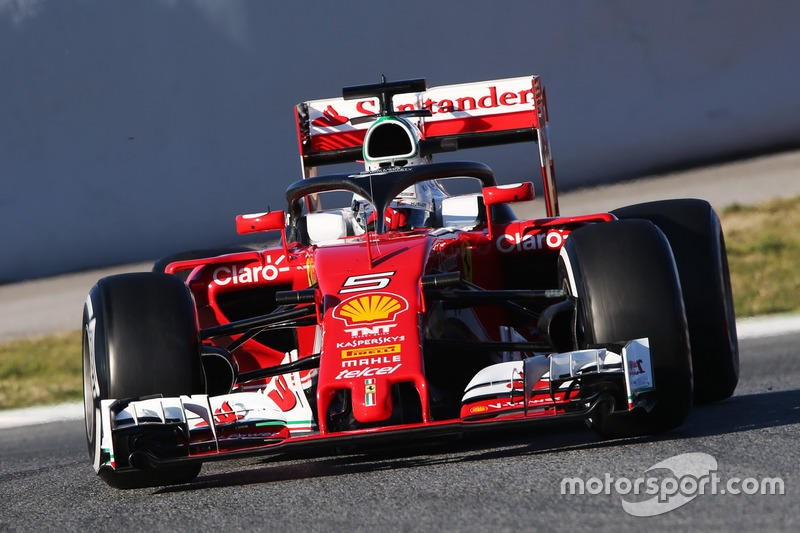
[763, 244]
[41, 371]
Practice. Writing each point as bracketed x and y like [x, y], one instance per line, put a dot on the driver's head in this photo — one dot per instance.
[395, 219]
[413, 208]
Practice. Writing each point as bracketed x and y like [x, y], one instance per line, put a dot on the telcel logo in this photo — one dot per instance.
[366, 372]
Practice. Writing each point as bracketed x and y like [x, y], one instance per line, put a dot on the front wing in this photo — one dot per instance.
[153, 432]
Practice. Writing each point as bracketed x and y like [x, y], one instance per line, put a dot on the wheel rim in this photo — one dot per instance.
[89, 410]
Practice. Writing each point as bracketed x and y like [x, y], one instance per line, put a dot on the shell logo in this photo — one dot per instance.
[376, 307]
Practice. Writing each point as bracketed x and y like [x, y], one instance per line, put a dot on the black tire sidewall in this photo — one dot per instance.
[693, 230]
[140, 338]
[627, 288]
[95, 371]
[150, 336]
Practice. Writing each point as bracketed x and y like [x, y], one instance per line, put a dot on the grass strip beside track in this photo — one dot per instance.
[763, 244]
[41, 371]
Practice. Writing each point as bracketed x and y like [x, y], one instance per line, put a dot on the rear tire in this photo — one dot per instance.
[695, 236]
[140, 338]
[627, 287]
[161, 264]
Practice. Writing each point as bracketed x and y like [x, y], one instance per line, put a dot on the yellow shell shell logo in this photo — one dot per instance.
[370, 308]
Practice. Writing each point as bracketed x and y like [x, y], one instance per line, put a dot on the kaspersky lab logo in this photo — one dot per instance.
[693, 474]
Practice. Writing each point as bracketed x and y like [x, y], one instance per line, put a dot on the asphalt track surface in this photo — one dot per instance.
[506, 482]
[502, 482]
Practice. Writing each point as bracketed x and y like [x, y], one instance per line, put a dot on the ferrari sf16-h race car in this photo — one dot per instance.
[409, 311]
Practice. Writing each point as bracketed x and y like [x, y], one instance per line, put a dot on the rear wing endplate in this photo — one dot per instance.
[470, 115]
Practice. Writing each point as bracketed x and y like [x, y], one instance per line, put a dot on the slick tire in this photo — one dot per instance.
[161, 264]
[140, 338]
[624, 277]
[694, 233]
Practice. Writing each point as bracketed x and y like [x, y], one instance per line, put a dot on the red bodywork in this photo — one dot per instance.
[372, 317]
[376, 333]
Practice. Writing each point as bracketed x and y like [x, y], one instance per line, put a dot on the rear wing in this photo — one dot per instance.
[469, 115]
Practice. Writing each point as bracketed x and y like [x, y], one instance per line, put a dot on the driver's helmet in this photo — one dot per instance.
[415, 207]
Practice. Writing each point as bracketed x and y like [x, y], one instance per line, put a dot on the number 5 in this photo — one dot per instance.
[367, 282]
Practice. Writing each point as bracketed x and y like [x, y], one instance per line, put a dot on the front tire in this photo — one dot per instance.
[624, 277]
[695, 236]
[140, 338]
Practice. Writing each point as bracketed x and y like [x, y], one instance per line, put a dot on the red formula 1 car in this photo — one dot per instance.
[410, 311]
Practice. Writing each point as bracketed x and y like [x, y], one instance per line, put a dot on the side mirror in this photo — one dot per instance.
[506, 194]
[258, 222]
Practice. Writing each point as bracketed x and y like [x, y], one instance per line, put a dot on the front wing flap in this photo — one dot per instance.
[548, 385]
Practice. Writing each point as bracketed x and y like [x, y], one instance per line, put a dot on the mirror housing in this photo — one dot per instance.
[258, 222]
[506, 194]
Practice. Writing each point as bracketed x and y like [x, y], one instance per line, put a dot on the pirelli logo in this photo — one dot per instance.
[372, 351]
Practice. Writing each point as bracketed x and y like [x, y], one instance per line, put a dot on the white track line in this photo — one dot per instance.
[767, 326]
[40, 415]
[747, 328]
